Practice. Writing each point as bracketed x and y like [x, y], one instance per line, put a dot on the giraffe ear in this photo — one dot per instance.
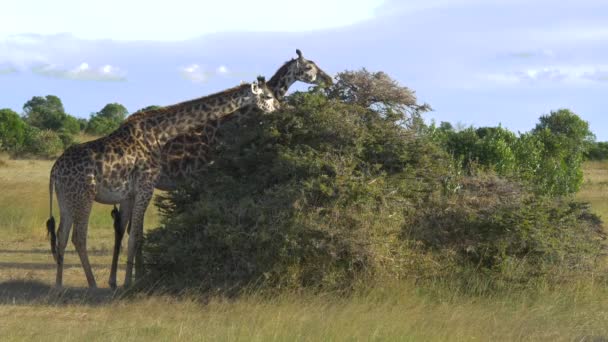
[255, 88]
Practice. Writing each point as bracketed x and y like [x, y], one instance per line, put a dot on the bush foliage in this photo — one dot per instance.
[332, 193]
[549, 158]
[12, 130]
[107, 119]
[598, 151]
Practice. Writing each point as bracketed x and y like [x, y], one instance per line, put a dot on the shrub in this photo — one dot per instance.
[294, 201]
[328, 195]
[12, 130]
[597, 151]
[494, 225]
[41, 143]
[107, 119]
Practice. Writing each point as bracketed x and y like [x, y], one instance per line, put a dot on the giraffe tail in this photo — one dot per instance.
[116, 216]
[50, 223]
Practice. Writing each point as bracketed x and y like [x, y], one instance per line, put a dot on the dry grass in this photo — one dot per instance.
[84, 137]
[395, 313]
[29, 310]
[24, 203]
[595, 187]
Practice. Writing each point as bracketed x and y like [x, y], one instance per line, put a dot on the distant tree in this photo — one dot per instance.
[12, 130]
[48, 113]
[114, 112]
[598, 151]
[446, 126]
[565, 139]
[107, 119]
[564, 130]
[378, 91]
[70, 126]
[82, 123]
[44, 112]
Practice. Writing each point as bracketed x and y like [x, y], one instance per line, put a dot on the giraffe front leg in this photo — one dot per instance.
[122, 216]
[142, 199]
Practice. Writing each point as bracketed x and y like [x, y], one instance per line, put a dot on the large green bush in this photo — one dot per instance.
[549, 158]
[329, 194]
[490, 148]
[495, 225]
[40, 143]
[299, 198]
[12, 130]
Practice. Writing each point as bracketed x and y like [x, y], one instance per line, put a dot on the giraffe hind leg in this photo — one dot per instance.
[136, 234]
[79, 239]
[65, 225]
[121, 217]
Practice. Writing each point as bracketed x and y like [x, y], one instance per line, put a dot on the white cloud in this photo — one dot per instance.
[502, 78]
[597, 75]
[82, 72]
[576, 33]
[582, 74]
[413, 7]
[544, 53]
[7, 69]
[195, 73]
[183, 19]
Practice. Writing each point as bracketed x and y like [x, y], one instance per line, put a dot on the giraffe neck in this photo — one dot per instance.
[282, 79]
[279, 85]
[159, 126]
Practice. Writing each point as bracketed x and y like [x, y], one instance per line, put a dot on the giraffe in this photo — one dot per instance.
[187, 154]
[124, 166]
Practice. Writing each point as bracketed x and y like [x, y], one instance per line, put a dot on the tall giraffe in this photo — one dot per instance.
[186, 155]
[124, 166]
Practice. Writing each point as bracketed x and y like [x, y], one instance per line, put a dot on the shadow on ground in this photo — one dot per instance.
[26, 292]
[94, 252]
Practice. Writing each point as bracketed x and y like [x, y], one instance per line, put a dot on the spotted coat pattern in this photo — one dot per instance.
[124, 167]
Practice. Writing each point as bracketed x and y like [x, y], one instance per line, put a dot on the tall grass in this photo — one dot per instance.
[24, 203]
[575, 310]
[595, 187]
[396, 312]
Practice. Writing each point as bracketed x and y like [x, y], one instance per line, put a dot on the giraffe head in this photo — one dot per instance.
[263, 98]
[307, 71]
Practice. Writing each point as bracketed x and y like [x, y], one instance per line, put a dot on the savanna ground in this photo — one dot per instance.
[29, 310]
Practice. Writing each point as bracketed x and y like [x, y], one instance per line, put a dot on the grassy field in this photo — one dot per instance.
[595, 187]
[30, 310]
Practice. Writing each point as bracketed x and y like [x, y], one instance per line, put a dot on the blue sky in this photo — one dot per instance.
[479, 62]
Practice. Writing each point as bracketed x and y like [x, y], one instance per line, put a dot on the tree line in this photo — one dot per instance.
[44, 129]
